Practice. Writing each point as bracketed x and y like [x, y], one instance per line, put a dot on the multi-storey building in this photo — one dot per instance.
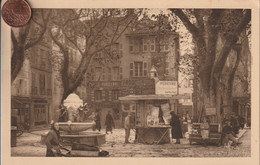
[32, 89]
[129, 72]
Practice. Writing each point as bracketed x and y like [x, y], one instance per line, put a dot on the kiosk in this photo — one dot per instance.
[152, 116]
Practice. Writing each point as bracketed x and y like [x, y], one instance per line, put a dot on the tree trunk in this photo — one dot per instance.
[16, 62]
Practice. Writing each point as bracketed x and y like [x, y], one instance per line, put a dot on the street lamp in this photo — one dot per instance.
[153, 72]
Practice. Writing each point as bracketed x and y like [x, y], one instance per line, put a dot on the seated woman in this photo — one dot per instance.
[204, 130]
[53, 141]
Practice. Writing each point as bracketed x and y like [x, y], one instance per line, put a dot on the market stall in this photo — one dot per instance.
[152, 116]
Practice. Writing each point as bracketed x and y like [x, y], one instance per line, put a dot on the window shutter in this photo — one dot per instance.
[92, 95]
[103, 95]
[131, 69]
[110, 95]
[145, 69]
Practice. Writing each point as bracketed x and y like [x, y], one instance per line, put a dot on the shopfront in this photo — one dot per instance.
[20, 111]
[39, 112]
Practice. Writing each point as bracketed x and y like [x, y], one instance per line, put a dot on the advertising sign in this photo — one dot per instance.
[166, 88]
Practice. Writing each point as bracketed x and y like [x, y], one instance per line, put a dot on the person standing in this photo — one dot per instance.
[204, 130]
[176, 127]
[109, 122]
[97, 121]
[241, 121]
[63, 114]
[234, 123]
[128, 125]
[53, 141]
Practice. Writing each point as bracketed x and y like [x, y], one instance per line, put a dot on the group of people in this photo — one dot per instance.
[230, 129]
[229, 132]
[109, 122]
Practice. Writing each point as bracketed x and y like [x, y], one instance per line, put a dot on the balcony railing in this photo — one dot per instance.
[107, 83]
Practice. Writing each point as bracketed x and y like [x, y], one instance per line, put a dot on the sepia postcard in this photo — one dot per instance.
[130, 82]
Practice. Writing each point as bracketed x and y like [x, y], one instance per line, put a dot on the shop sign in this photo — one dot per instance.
[211, 111]
[166, 87]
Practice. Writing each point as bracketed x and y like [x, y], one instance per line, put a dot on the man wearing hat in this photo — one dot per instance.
[227, 133]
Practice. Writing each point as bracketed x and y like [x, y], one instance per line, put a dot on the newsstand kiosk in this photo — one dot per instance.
[152, 116]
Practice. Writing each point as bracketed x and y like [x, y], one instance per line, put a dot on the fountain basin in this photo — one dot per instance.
[88, 137]
[74, 127]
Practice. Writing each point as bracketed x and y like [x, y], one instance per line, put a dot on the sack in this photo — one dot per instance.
[103, 153]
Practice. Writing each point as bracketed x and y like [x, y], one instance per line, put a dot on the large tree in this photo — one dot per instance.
[23, 38]
[215, 34]
[88, 31]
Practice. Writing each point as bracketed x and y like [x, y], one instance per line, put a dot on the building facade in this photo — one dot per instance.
[129, 72]
[32, 89]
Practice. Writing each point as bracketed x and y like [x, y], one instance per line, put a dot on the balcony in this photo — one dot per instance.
[106, 83]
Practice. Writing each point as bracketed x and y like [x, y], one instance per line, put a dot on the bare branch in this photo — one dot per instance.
[45, 25]
[199, 19]
[191, 27]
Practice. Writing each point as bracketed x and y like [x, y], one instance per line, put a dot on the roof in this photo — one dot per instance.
[152, 97]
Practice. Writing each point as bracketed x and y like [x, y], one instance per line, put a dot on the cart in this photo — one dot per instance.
[20, 119]
[214, 135]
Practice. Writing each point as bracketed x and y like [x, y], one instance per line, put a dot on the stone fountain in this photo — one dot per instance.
[75, 134]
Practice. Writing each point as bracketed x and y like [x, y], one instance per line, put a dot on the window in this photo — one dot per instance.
[98, 73]
[135, 44]
[98, 95]
[104, 74]
[131, 45]
[115, 50]
[115, 74]
[145, 44]
[34, 89]
[115, 94]
[42, 84]
[109, 74]
[49, 87]
[121, 73]
[164, 48]
[152, 45]
[138, 69]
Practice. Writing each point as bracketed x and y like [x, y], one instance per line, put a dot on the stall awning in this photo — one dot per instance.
[20, 102]
[153, 97]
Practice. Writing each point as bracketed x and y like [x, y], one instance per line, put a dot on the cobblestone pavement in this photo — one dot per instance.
[29, 145]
